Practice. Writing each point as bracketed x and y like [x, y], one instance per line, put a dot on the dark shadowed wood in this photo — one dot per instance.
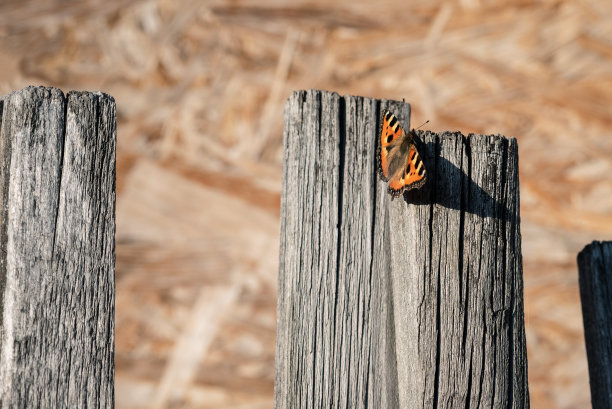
[411, 303]
[595, 276]
[57, 164]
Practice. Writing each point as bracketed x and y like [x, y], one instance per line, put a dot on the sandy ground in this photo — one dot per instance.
[200, 89]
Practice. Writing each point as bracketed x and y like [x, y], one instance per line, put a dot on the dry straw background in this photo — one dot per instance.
[200, 89]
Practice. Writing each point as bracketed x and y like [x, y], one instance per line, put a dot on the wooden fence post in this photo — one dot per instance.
[411, 303]
[57, 164]
[595, 277]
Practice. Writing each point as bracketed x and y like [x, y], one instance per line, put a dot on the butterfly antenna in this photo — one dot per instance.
[424, 123]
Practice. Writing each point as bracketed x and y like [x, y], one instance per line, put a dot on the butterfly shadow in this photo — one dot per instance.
[449, 186]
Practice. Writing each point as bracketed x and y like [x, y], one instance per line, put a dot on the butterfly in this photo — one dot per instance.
[399, 162]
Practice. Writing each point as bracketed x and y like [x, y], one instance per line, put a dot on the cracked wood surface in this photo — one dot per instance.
[411, 303]
[595, 277]
[57, 249]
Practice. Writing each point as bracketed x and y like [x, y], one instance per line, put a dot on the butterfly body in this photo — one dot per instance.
[399, 162]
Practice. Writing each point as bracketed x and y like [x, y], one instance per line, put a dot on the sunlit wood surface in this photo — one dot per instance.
[200, 89]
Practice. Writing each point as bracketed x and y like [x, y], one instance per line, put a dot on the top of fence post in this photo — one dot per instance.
[409, 303]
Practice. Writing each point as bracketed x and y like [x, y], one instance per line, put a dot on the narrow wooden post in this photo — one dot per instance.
[412, 303]
[595, 277]
[57, 164]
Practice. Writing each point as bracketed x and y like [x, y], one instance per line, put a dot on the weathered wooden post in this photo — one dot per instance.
[57, 164]
[412, 303]
[595, 277]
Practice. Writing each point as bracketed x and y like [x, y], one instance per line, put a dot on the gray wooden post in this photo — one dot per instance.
[411, 303]
[595, 277]
[57, 164]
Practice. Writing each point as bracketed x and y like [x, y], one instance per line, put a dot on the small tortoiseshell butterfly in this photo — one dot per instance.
[399, 162]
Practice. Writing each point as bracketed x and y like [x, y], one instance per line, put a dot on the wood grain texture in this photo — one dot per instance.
[595, 277]
[411, 303]
[57, 249]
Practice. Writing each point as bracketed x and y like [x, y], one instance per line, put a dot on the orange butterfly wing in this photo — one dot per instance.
[390, 130]
[414, 174]
[399, 160]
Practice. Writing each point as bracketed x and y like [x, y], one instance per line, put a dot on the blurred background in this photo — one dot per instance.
[200, 89]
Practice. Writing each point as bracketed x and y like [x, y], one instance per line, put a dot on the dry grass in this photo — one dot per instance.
[200, 88]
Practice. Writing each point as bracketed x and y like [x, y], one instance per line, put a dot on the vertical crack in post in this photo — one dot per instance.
[321, 268]
[318, 176]
[438, 297]
[373, 187]
[341, 152]
[465, 199]
[62, 148]
[469, 388]
[464, 280]
[483, 355]
[505, 220]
